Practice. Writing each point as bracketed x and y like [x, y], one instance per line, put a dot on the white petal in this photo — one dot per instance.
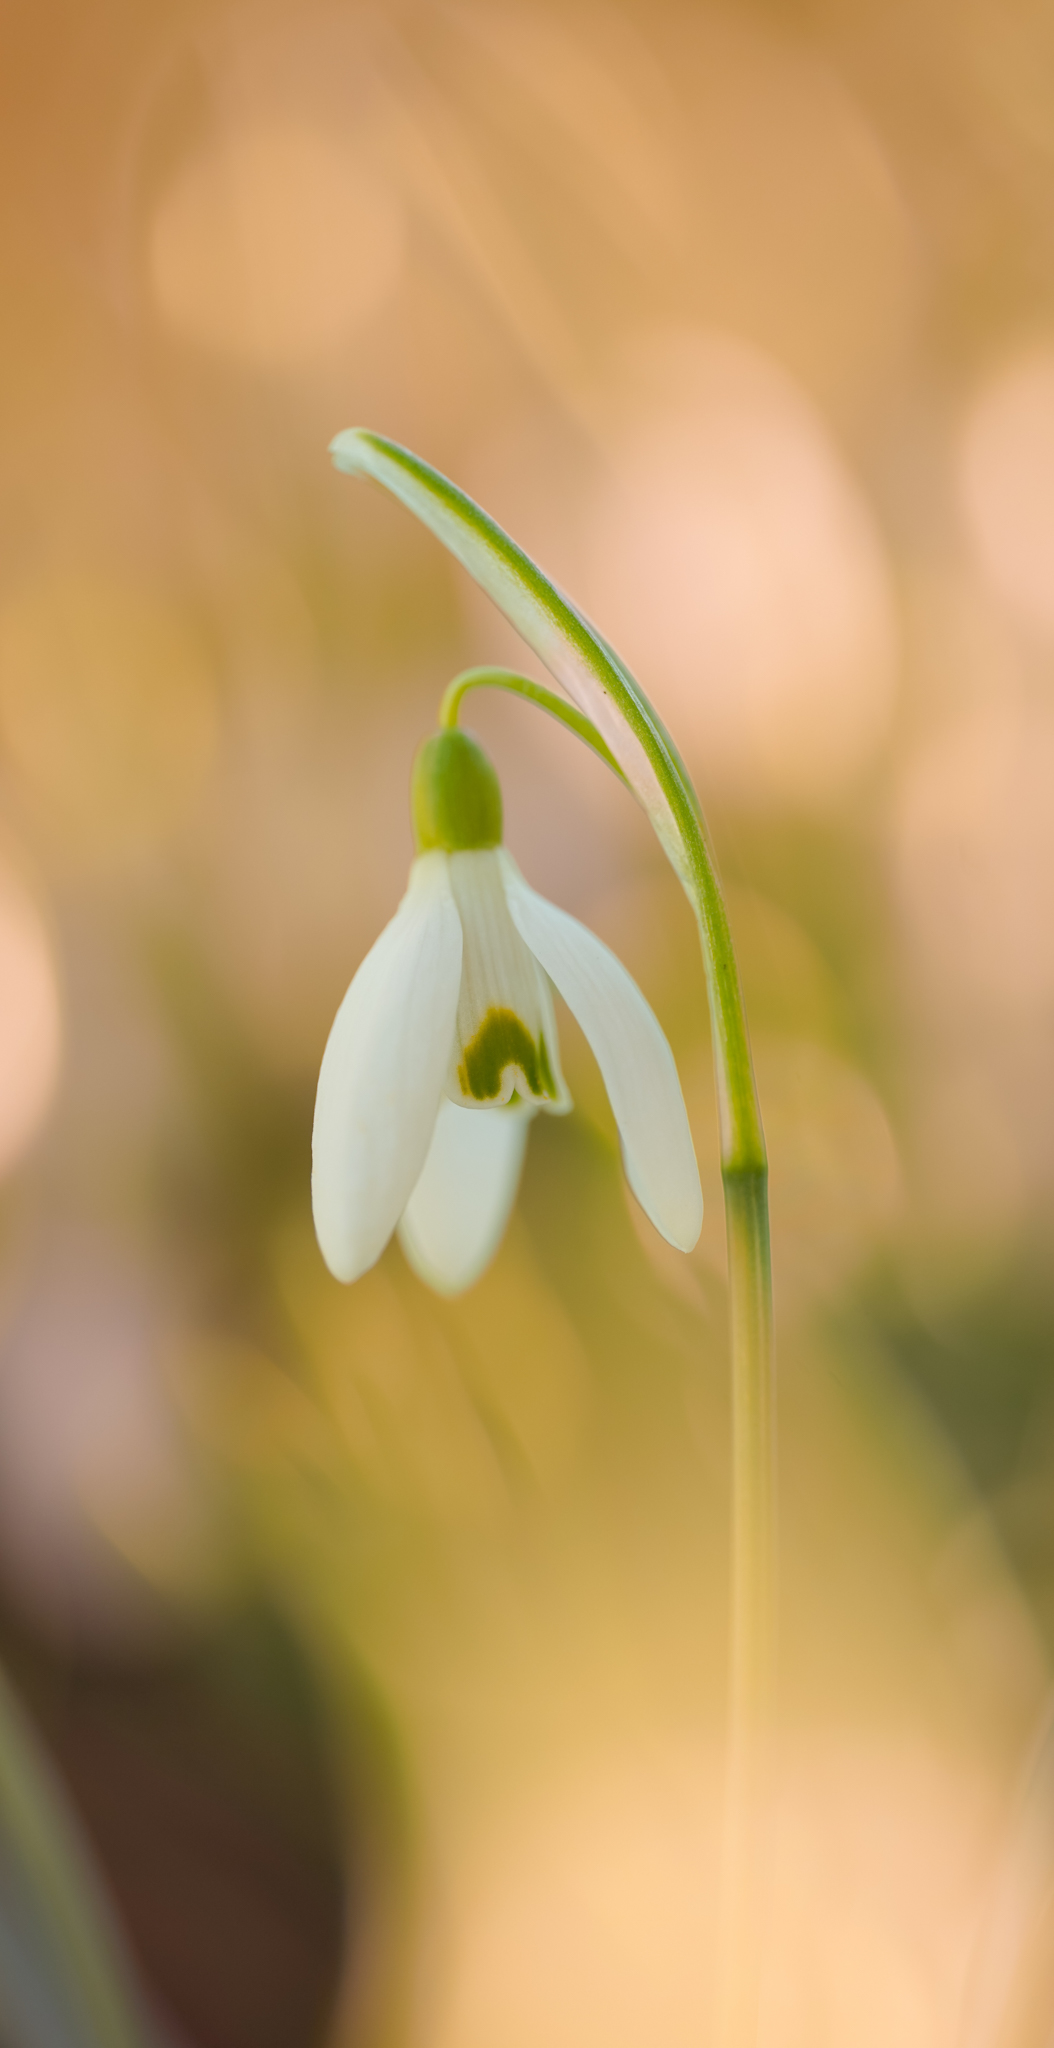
[639, 1071]
[506, 1029]
[382, 1074]
[455, 1219]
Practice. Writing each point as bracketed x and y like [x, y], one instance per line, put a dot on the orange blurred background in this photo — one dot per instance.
[380, 1640]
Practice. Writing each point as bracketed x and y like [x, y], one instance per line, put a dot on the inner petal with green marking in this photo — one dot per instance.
[505, 1051]
[503, 1042]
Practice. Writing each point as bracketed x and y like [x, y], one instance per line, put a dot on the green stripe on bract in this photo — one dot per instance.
[503, 1040]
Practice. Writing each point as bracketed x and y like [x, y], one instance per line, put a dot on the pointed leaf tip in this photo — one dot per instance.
[350, 450]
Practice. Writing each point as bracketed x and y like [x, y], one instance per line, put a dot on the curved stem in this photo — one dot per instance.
[535, 693]
[613, 703]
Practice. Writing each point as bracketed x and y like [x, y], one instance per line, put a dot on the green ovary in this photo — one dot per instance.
[503, 1040]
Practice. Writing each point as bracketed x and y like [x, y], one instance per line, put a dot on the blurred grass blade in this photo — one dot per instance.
[64, 1982]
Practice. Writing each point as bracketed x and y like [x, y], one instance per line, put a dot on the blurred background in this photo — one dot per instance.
[379, 1641]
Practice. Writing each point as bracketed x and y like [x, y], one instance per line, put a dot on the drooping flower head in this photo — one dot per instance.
[445, 1047]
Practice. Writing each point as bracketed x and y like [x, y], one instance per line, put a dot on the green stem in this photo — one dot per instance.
[752, 1603]
[628, 728]
[535, 693]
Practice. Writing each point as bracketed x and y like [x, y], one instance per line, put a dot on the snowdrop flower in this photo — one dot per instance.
[445, 1048]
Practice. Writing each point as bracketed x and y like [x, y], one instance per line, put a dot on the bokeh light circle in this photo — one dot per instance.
[585, 1921]
[973, 847]
[1006, 480]
[30, 1021]
[271, 245]
[736, 564]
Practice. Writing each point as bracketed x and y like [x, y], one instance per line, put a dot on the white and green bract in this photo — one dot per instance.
[443, 1050]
